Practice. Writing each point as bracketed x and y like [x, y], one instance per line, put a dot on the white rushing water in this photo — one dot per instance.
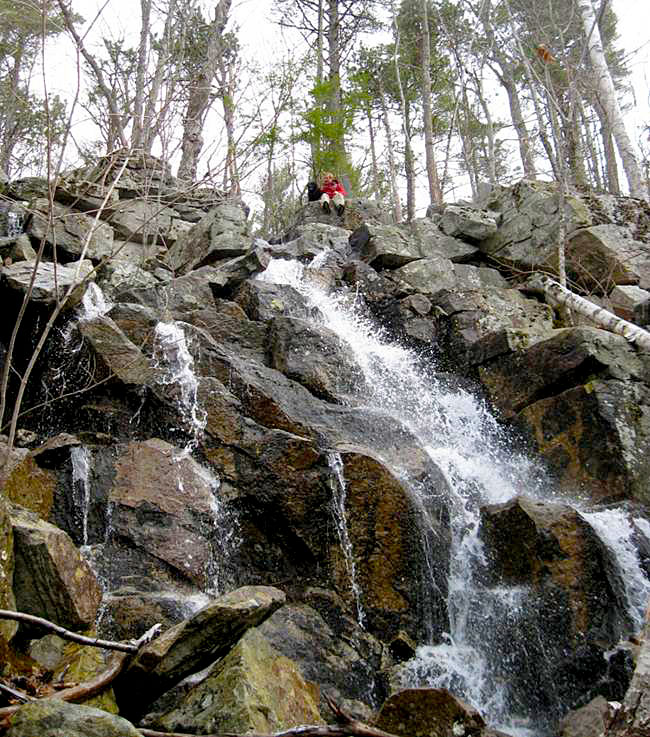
[614, 528]
[338, 508]
[80, 458]
[172, 353]
[476, 458]
[94, 303]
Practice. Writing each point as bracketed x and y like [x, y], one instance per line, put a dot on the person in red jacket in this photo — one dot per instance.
[332, 191]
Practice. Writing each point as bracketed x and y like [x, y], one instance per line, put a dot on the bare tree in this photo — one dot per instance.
[200, 95]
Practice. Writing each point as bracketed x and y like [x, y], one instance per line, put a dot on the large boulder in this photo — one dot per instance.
[388, 551]
[51, 282]
[51, 579]
[529, 223]
[314, 356]
[467, 222]
[222, 233]
[428, 712]
[330, 650]
[569, 357]
[480, 324]
[430, 276]
[566, 586]
[192, 645]
[164, 517]
[602, 256]
[142, 222]
[71, 231]
[595, 437]
[121, 356]
[253, 688]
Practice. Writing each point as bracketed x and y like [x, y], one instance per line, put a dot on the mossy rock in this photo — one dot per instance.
[31, 487]
[82, 663]
[253, 688]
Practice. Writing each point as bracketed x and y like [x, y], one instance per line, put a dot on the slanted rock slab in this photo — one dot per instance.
[254, 688]
[195, 643]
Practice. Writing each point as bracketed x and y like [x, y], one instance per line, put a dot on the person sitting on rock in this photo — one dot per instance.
[332, 191]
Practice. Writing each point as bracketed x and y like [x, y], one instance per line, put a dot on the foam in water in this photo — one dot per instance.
[476, 458]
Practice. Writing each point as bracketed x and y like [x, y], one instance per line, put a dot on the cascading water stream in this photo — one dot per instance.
[173, 355]
[338, 508]
[80, 458]
[476, 458]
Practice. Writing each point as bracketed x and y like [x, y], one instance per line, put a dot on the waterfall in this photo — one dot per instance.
[339, 492]
[483, 657]
[93, 303]
[80, 458]
[615, 529]
[172, 353]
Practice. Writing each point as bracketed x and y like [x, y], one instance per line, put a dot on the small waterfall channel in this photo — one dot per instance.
[479, 656]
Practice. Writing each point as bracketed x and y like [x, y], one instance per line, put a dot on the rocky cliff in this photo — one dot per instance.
[359, 463]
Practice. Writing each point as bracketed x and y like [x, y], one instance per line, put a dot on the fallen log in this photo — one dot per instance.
[557, 295]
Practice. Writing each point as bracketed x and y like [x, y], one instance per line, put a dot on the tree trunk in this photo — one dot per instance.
[143, 54]
[373, 153]
[611, 165]
[116, 126]
[409, 164]
[200, 96]
[523, 136]
[558, 295]
[609, 101]
[152, 120]
[337, 143]
[409, 168]
[435, 192]
[390, 150]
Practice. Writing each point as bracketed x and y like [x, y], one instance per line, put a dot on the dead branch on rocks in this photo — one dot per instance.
[345, 726]
[83, 691]
[126, 647]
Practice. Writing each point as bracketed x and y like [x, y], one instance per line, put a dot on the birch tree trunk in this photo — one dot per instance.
[435, 192]
[611, 166]
[201, 96]
[609, 101]
[557, 295]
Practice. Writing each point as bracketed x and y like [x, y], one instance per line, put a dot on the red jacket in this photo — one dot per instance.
[330, 188]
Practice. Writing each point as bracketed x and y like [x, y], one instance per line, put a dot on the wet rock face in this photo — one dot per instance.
[388, 546]
[428, 711]
[574, 591]
[285, 470]
[163, 516]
